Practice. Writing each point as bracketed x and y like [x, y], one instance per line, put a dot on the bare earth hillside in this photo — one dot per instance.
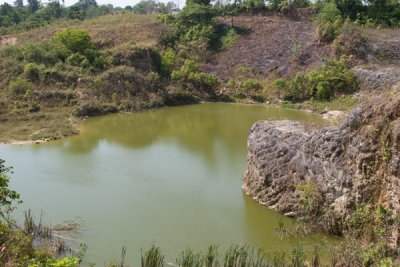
[271, 43]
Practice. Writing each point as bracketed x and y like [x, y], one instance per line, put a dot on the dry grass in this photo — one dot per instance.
[268, 47]
[51, 123]
[381, 34]
[107, 31]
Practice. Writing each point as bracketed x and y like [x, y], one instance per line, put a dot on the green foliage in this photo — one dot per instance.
[189, 73]
[254, 5]
[329, 22]
[350, 8]
[19, 86]
[231, 83]
[333, 78]
[188, 258]
[281, 83]
[76, 60]
[33, 5]
[195, 31]
[251, 84]
[169, 60]
[228, 38]
[195, 14]
[198, 2]
[75, 40]
[298, 257]
[79, 47]
[16, 245]
[152, 258]
[297, 50]
[311, 198]
[211, 257]
[31, 72]
[7, 196]
[65, 262]
[152, 6]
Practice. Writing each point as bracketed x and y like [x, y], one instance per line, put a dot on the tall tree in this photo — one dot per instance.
[350, 8]
[86, 4]
[19, 3]
[33, 5]
[199, 2]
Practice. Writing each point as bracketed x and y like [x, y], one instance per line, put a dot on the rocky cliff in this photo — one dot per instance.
[354, 163]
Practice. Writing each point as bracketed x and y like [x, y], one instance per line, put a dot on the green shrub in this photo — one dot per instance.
[34, 106]
[202, 79]
[229, 38]
[75, 40]
[76, 59]
[169, 60]
[297, 50]
[19, 86]
[231, 83]
[281, 83]
[31, 72]
[333, 78]
[329, 22]
[251, 84]
[189, 73]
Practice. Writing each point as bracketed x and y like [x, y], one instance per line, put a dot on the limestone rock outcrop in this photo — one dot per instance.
[352, 163]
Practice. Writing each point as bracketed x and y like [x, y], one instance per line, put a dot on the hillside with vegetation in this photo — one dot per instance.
[60, 64]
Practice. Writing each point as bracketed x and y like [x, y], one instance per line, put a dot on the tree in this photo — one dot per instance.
[86, 4]
[33, 5]
[198, 2]
[350, 8]
[145, 7]
[74, 12]
[99, 11]
[385, 12]
[196, 14]
[52, 10]
[7, 196]
[8, 15]
[19, 3]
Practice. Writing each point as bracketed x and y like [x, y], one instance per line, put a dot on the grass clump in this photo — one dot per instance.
[152, 258]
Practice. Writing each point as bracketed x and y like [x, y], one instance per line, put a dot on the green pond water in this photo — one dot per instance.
[170, 176]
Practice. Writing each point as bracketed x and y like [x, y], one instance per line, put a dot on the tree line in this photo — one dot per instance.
[34, 14]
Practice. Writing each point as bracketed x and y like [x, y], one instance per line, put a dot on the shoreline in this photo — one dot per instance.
[332, 116]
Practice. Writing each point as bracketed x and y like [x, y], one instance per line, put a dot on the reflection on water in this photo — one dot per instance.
[169, 176]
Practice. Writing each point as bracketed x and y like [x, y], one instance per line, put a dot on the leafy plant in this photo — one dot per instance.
[20, 86]
[251, 84]
[75, 40]
[329, 22]
[7, 196]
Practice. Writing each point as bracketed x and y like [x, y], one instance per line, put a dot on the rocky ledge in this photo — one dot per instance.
[354, 163]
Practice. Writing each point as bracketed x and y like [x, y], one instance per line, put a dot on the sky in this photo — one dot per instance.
[121, 3]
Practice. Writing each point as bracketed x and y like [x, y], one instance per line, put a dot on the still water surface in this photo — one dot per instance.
[170, 176]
